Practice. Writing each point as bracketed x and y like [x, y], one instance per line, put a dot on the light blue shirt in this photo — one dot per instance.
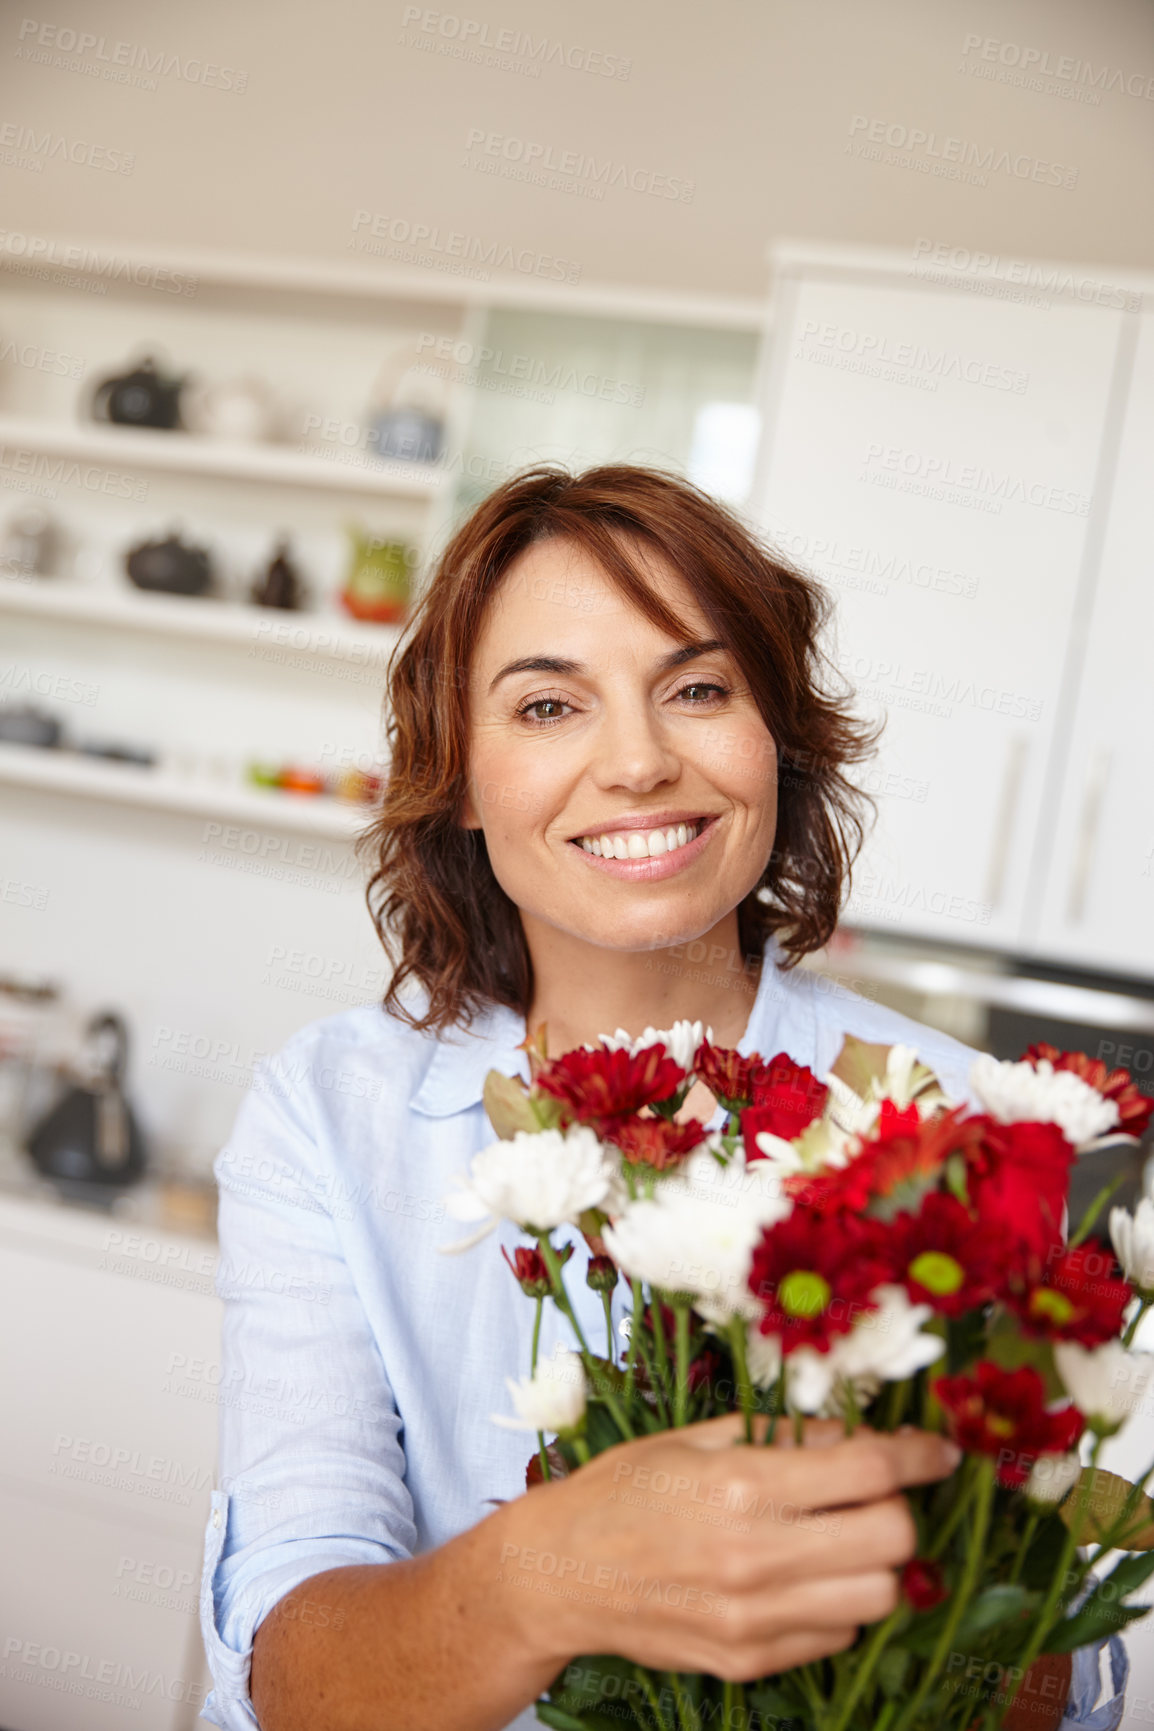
[360, 1366]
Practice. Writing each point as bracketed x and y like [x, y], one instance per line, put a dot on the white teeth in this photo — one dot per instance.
[640, 843]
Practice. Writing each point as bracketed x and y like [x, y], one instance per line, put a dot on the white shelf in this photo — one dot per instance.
[116, 265]
[222, 459]
[284, 637]
[130, 784]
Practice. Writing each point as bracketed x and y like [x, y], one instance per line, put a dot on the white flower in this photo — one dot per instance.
[885, 1345]
[1012, 1092]
[697, 1233]
[1107, 1383]
[552, 1400]
[1133, 1238]
[680, 1041]
[1051, 1476]
[536, 1178]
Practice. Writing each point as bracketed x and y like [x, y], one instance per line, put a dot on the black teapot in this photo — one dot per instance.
[280, 584]
[171, 566]
[141, 398]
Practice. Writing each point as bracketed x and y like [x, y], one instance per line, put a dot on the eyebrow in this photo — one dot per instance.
[558, 664]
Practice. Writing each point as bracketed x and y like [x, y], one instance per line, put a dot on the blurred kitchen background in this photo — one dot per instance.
[282, 295]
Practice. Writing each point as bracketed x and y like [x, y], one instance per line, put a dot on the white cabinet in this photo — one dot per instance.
[931, 454]
[1095, 866]
[107, 1459]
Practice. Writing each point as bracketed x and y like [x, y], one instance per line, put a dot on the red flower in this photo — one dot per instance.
[529, 1269]
[815, 1276]
[786, 1098]
[656, 1142]
[1134, 1109]
[895, 1163]
[1002, 1413]
[727, 1075]
[602, 1274]
[600, 1087]
[946, 1258]
[1079, 1299]
[1019, 1174]
[923, 1583]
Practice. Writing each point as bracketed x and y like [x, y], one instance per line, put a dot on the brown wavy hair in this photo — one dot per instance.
[433, 893]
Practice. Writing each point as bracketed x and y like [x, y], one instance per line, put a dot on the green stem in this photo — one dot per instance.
[686, 1712]
[778, 1407]
[741, 1371]
[961, 1503]
[581, 1449]
[1094, 1210]
[634, 1330]
[536, 1336]
[659, 1338]
[1045, 1616]
[984, 1498]
[1132, 1325]
[607, 1305]
[562, 1300]
[1030, 1529]
[681, 1349]
[895, 1404]
[652, 1696]
[871, 1653]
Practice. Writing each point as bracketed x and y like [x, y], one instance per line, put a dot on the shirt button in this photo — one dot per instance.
[216, 1517]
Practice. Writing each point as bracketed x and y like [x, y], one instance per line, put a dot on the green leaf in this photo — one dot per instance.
[507, 1105]
[561, 1721]
[1104, 1511]
[997, 1604]
[892, 1669]
[1045, 1554]
[1104, 1612]
[1010, 1350]
[1094, 1621]
[965, 1340]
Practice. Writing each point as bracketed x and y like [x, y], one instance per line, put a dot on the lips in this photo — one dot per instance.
[638, 866]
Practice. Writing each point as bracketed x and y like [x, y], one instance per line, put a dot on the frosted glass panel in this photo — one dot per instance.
[589, 390]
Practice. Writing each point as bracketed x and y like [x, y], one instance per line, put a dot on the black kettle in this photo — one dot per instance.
[141, 398]
[170, 565]
[90, 1140]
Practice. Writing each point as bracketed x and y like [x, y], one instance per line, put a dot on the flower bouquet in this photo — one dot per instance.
[860, 1249]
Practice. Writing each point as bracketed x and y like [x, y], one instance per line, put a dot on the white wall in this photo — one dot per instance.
[751, 100]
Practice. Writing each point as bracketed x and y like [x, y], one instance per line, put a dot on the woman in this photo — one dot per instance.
[617, 798]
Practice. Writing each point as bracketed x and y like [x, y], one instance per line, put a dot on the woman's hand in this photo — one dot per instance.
[685, 1552]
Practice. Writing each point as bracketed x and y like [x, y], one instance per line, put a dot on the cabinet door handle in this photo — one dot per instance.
[1004, 816]
[1086, 839]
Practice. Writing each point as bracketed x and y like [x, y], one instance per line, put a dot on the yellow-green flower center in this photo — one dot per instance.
[1054, 1306]
[803, 1293]
[937, 1272]
[999, 1426]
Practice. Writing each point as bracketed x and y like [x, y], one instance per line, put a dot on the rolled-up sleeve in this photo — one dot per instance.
[311, 1463]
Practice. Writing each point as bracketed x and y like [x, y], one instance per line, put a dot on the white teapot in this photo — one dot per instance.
[243, 410]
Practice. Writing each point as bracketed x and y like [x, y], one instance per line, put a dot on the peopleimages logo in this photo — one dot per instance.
[954, 158]
[567, 170]
[1064, 68]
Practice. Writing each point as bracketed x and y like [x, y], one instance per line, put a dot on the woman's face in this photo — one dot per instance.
[587, 721]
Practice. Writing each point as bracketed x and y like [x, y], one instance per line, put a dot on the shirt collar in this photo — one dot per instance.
[462, 1058]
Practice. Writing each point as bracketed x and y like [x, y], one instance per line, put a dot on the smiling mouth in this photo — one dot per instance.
[641, 843]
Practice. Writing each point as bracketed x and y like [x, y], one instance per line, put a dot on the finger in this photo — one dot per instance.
[829, 1603]
[784, 1541]
[862, 1468]
[715, 1433]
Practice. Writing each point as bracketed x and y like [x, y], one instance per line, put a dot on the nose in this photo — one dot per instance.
[632, 750]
